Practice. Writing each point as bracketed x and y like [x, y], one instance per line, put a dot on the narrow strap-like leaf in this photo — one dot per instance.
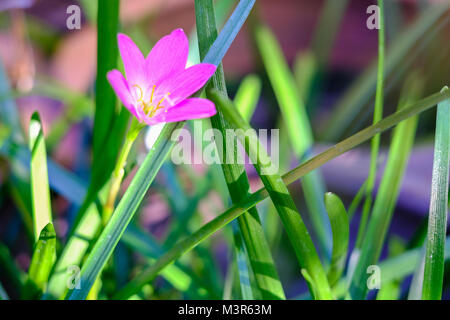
[341, 232]
[437, 220]
[236, 210]
[125, 210]
[132, 198]
[377, 116]
[296, 230]
[40, 192]
[386, 199]
[44, 256]
[299, 128]
[247, 96]
[250, 227]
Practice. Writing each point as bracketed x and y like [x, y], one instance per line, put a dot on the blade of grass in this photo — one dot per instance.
[363, 88]
[178, 275]
[40, 192]
[105, 99]
[252, 233]
[296, 230]
[400, 148]
[341, 231]
[356, 201]
[125, 210]
[246, 99]
[44, 256]
[299, 128]
[437, 221]
[236, 210]
[109, 129]
[377, 116]
[110, 120]
[247, 96]
[133, 196]
[73, 253]
[305, 70]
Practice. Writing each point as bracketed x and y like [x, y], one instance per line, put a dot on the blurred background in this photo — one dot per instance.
[332, 56]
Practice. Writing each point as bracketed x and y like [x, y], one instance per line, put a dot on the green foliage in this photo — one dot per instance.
[383, 209]
[341, 232]
[281, 198]
[251, 231]
[44, 256]
[437, 221]
[40, 192]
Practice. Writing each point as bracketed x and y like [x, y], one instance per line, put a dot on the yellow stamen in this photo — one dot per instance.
[148, 107]
[153, 91]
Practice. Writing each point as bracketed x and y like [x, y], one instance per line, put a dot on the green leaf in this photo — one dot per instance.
[105, 99]
[236, 210]
[356, 201]
[247, 96]
[44, 256]
[305, 70]
[89, 222]
[377, 116]
[250, 227]
[437, 219]
[125, 210]
[341, 231]
[73, 253]
[383, 209]
[40, 192]
[296, 230]
[110, 120]
[181, 277]
[299, 128]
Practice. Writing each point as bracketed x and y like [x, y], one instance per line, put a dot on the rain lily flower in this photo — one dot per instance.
[157, 88]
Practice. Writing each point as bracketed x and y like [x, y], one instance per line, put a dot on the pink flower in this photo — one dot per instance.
[156, 88]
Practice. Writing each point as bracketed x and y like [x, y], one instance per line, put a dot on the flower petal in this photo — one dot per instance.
[169, 55]
[193, 108]
[186, 82]
[133, 60]
[120, 86]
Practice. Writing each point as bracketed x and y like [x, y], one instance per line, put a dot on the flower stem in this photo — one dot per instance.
[117, 175]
